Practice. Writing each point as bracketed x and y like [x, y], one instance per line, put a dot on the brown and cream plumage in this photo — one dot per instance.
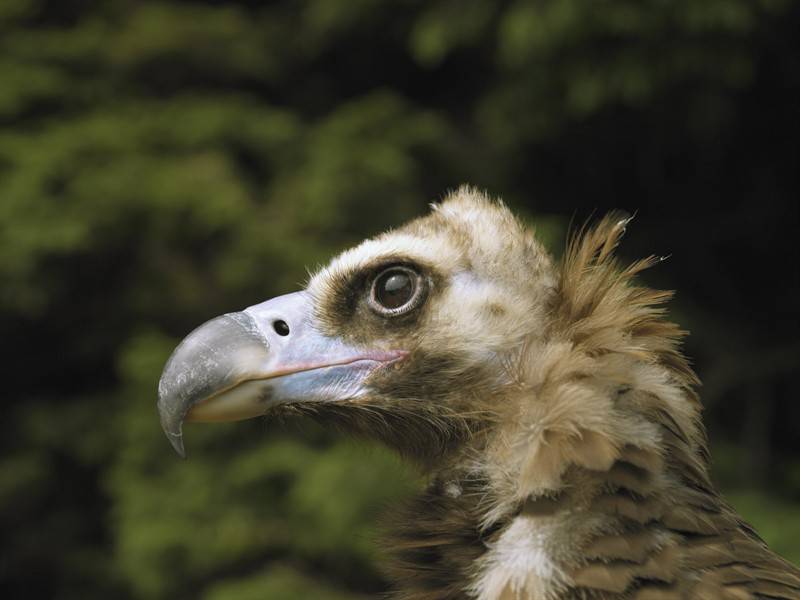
[549, 404]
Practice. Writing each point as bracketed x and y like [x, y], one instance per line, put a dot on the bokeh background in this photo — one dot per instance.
[162, 162]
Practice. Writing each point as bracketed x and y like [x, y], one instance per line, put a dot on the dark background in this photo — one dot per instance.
[164, 162]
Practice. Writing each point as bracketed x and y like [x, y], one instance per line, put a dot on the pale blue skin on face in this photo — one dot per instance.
[241, 364]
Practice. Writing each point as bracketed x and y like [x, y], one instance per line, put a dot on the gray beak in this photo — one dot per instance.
[241, 364]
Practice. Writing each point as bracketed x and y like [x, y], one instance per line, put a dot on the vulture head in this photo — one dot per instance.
[548, 403]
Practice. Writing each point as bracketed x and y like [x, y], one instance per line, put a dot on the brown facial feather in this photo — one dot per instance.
[556, 417]
[343, 311]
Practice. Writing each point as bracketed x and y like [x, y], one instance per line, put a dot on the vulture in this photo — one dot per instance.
[547, 402]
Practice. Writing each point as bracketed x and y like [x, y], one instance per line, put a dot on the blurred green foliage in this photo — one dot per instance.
[162, 162]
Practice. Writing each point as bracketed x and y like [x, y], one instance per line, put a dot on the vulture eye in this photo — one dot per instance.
[395, 291]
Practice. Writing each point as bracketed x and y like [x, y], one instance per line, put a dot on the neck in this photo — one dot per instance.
[603, 527]
[571, 492]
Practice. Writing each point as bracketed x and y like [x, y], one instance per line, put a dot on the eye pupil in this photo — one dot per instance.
[397, 283]
[394, 289]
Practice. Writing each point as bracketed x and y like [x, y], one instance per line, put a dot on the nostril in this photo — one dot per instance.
[280, 327]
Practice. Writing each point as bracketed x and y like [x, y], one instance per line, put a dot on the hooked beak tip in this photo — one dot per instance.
[176, 439]
[172, 425]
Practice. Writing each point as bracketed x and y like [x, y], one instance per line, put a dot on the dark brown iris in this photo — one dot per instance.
[395, 290]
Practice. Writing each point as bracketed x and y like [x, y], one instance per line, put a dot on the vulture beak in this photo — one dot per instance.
[241, 364]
